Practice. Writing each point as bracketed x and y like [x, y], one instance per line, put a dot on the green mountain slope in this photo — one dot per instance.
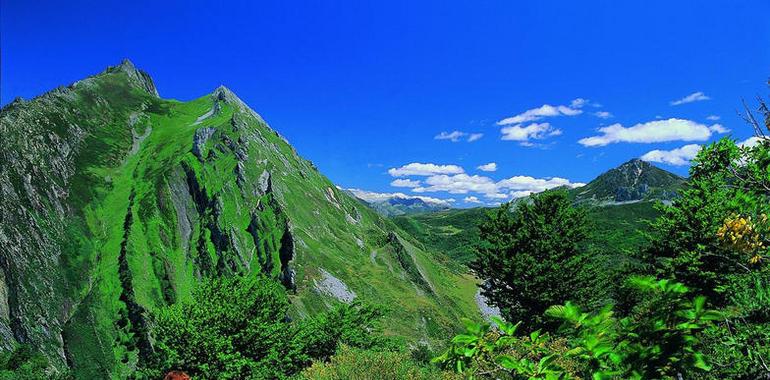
[616, 229]
[635, 180]
[621, 203]
[115, 202]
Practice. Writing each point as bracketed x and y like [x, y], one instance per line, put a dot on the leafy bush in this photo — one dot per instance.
[25, 363]
[237, 328]
[351, 363]
[658, 341]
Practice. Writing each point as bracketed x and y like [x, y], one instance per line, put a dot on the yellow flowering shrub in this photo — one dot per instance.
[745, 234]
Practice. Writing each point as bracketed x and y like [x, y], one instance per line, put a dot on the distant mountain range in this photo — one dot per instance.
[395, 204]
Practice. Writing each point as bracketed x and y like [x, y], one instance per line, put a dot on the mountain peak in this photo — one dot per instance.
[136, 76]
[634, 180]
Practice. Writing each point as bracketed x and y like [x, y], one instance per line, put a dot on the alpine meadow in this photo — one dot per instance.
[497, 191]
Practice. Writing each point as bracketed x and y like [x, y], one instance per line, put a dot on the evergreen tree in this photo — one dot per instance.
[530, 257]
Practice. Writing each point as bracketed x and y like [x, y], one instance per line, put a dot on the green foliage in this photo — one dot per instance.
[351, 363]
[25, 363]
[685, 242]
[716, 240]
[739, 346]
[531, 257]
[238, 328]
[483, 352]
[658, 341]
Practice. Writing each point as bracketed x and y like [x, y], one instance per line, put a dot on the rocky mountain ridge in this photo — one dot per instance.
[115, 202]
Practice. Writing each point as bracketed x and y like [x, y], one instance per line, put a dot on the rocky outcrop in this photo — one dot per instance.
[201, 137]
[334, 287]
[407, 263]
[137, 77]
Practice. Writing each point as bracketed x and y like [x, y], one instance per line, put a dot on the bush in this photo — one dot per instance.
[658, 341]
[351, 363]
[237, 328]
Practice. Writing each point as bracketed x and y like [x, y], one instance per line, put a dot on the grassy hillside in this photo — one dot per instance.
[132, 199]
[617, 229]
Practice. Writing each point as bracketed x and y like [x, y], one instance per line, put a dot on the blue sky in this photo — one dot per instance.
[360, 88]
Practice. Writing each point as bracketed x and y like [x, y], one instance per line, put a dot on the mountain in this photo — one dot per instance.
[399, 204]
[405, 206]
[455, 234]
[632, 181]
[115, 202]
[621, 202]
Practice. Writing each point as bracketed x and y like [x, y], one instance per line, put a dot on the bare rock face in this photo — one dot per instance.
[334, 287]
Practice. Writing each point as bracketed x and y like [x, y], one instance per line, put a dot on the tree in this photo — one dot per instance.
[530, 257]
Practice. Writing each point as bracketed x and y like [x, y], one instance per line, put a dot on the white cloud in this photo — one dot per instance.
[578, 103]
[402, 182]
[535, 131]
[694, 97]
[471, 199]
[490, 167]
[603, 114]
[546, 110]
[718, 128]
[653, 131]
[713, 117]
[512, 187]
[374, 197]
[677, 157]
[751, 141]
[527, 183]
[456, 136]
[453, 136]
[421, 169]
[475, 136]
[458, 184]
[521, 194]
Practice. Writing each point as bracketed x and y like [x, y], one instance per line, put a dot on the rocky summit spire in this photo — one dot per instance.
[136, 76]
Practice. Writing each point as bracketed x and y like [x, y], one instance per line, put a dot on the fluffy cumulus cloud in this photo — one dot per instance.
[534, 131]
[694, 97]
[490, 167]
[403, 182]
[375, 197]
[456, 136]
[420, 169]
[513, 187]
[677, 157]
[546, 110]
[524, 126]
[458, 184]
[653, 131]
[471, 199]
